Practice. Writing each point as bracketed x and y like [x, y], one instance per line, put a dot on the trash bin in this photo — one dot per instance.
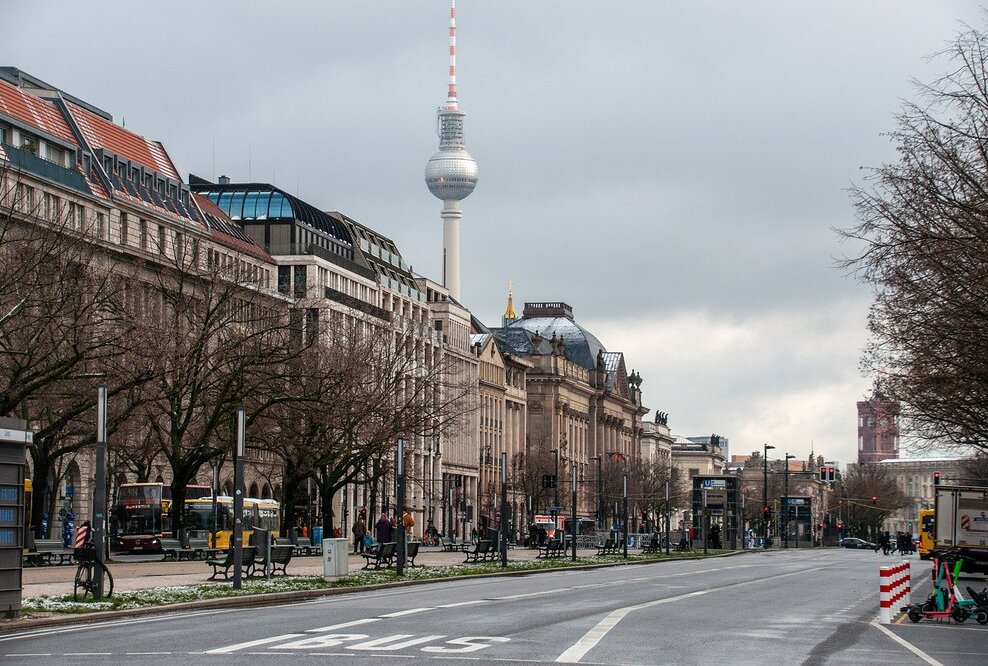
[316, 535]
[335, 560]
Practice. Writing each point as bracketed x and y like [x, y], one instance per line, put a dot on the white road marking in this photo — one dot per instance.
[395, 642]
[87, 654]
[577, 651]
[464, 603]
[249, 644]
[344, 625]
[410, 611]
[906, 644]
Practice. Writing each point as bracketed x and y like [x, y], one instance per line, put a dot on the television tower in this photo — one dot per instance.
[451, 173]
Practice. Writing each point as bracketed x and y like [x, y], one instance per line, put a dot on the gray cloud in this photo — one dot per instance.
[641, 160]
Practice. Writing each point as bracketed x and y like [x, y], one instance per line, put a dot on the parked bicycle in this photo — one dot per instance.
[85, 574]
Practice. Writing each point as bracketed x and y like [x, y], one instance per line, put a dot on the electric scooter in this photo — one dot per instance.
[942, 602]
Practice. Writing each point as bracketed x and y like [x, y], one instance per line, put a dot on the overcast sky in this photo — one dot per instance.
[673, 170]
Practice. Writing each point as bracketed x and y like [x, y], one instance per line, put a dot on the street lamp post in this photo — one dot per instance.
[400, 478]
[573, 509]
[765, 449]
[504, 510]
[600, 492]
[555, 455]
[624, 522]
[238, 499]
[789, 457]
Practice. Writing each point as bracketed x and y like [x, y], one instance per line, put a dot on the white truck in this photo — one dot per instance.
[961, 522]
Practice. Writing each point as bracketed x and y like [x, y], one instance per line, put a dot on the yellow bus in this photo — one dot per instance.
[926, 524]
[261, 513]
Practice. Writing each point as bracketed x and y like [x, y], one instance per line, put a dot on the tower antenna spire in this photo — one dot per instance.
[451, 95]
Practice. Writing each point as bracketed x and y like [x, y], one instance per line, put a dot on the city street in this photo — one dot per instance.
[779, 607]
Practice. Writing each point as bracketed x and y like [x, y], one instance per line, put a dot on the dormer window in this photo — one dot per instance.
[122, 170]
[148, 180]
[135, 176]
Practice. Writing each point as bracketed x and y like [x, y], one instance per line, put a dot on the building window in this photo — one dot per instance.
[300, 280]
[123, 229]
[100, 224]
[143, 227]
[161, 240]
[284, 279]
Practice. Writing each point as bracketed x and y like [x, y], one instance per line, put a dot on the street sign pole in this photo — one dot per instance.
[99, 492]
[238, 500]
[667, 516]
[624, 522]
[400, 463]
[573, 511]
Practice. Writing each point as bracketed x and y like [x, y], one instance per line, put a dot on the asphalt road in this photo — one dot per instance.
[778, 607]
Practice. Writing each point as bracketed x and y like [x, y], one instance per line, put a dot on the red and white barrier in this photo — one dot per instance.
[80, 536]
[894, 588]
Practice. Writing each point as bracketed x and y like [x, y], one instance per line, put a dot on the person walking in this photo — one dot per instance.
[383, 528]
[359, 531]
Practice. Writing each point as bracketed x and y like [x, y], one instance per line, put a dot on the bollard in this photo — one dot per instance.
[893, 591]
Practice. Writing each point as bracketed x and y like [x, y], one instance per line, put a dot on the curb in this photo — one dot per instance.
[278, 598]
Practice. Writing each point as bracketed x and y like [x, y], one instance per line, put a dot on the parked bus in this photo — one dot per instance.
[141, 515]
[926, 525]
[28, 527]
[200, 520]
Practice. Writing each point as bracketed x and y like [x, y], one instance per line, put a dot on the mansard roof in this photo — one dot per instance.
[226, 232]
[34, 112]
[101, 133]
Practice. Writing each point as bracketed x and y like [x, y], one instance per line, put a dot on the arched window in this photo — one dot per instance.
[253, 490]
[266, 492]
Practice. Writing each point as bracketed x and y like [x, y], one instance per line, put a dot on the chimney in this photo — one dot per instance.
[224, 180]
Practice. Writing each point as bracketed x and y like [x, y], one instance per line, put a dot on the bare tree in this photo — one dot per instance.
[923, 225]
[214, 341]
[64, 327]
[861, 483]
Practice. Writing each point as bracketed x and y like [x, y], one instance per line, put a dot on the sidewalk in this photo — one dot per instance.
[57, 581]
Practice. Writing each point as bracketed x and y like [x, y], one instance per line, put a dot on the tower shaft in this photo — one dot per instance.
[451, 216]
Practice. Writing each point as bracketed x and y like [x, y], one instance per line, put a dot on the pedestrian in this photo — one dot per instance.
[408, 521]
[885, 542]
[540, 537]
[383, 529]
[358, 530]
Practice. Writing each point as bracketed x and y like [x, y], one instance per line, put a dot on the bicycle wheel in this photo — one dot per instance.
[83, 580]
[107, 582]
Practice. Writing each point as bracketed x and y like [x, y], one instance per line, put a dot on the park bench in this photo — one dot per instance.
[176, 550]
[452, 545]
[48, 552]
[304, 546]
[411, 552]
[280, 557]
[381, 555]
[479, 551]
[223, 566]
[609, 547]
[653, 545]
[552, 548]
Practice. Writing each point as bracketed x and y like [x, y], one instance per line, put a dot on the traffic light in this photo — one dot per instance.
[644, 514]
[936, 478]
[831, 474]
[765, 511]
[874, 499]
[823, 473]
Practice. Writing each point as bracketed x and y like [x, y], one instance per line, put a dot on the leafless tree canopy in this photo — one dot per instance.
[857, 487]
[923, 222]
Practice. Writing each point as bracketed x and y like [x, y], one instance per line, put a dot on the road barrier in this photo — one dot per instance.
[893, 589]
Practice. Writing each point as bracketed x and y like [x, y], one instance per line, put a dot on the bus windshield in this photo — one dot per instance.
[139, 509]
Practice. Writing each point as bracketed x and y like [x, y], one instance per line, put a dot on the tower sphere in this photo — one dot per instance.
[451, 174]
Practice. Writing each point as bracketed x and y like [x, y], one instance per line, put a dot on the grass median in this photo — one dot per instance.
[164, 596]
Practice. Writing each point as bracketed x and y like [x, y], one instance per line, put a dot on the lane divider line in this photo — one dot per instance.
[249, 644]
[906, 644]
[590, 640]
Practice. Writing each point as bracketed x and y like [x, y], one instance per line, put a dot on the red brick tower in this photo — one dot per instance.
[878, 428]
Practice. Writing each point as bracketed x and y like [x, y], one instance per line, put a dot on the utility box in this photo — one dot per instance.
[14, 512]
[335, 558]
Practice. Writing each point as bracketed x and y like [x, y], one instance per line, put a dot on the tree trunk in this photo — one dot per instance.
[42, 472]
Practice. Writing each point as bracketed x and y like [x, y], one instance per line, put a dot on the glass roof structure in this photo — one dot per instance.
[260, 202]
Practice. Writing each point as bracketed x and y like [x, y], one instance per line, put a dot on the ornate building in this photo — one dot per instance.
[582, 402]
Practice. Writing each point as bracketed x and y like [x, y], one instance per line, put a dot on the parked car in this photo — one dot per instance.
[854, 542]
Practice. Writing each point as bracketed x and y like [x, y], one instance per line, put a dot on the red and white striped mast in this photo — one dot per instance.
[451, 95]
